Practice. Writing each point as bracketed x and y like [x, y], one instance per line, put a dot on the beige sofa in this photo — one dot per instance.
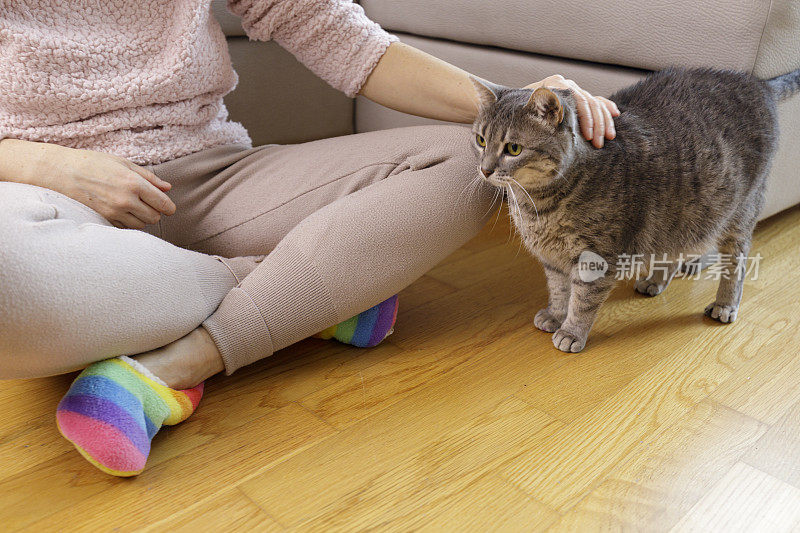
[601, 45]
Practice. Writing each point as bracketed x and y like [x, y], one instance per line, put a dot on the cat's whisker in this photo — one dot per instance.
[471, 186]
[468, 185]
[499, 194]
[511, 227]
[514, 204]
[518, 212]
[494, 200]
[528, 195]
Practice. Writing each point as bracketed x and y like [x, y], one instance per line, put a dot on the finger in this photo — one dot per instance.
[149, 176]
[584, 115]
[610, 130]
[612, 107]
[599, 129]
[130, 221]
[156, 198]
[145, 213]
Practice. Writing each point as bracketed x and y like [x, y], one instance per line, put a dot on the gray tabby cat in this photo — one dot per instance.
[685, 173]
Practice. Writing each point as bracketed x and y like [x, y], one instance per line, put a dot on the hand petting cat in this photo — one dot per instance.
[595, 113]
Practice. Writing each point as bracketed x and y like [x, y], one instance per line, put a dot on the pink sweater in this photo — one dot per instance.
[144, 79]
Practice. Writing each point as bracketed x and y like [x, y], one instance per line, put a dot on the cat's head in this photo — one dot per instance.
[523, 135]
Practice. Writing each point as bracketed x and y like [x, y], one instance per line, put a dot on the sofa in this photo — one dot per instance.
[601, 45]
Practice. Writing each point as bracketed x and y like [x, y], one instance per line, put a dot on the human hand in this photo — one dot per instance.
[126, 194]
[595, 113]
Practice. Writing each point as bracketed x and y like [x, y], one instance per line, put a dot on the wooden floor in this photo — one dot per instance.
[467, 419]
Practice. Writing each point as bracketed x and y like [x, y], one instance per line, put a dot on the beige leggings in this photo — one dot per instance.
[346, 223]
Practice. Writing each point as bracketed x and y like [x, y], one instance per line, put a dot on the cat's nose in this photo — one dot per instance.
[485, 172]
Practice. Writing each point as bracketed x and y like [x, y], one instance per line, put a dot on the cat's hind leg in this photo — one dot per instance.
[733, 250]
[659, 277]
[550, 318]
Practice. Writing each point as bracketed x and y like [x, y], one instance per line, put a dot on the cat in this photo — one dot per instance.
[685, 173]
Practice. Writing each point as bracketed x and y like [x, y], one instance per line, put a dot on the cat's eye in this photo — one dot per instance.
[513, 149]
[480, 140]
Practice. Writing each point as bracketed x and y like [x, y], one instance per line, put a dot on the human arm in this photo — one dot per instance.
[409, 80]
[126, 194]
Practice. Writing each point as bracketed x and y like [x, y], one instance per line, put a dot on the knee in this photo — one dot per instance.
[457, 179]
[446, 143]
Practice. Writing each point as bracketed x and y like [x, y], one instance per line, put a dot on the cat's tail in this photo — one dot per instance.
[786, 85]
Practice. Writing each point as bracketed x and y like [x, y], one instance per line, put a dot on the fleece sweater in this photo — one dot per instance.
[145, 79]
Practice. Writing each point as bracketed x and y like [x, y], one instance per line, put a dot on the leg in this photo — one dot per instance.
[584, 303]
[399, 207]
[698, 264]
[558, 287]
[658, 278]
[733, 249]
[406, 215]
[74, 289]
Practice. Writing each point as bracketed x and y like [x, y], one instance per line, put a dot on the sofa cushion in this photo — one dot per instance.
[649, 34]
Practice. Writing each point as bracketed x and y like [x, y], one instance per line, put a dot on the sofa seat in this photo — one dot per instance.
[647, 34]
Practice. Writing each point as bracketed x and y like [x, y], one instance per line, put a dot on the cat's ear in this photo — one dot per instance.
[544, 103]
[487, 92]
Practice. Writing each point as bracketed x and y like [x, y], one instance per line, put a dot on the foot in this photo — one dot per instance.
[723, 313]
[649, 287]
[186, 362]
[366, 329]
[545, 321]
[569, 342]
[114, 408]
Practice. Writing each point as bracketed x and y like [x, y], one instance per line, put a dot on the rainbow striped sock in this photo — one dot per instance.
[114, 408]
[366, 329]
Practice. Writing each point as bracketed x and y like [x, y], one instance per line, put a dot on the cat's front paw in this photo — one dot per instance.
[568, 342]
[723, 313]
[545, 321]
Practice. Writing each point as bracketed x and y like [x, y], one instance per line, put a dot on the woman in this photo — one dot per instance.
[125, 190]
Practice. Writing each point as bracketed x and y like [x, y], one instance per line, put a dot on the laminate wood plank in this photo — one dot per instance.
[766, 387]
[229, 510]
[425, 290]
[560, 470]
[487, 504]
[668, 474]
[491, 262]
[439, 470]
[163, 488]
[292, 491]
[620, 347]
[426, 356]
[778, 452]
[745, 500]
[26, 402]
